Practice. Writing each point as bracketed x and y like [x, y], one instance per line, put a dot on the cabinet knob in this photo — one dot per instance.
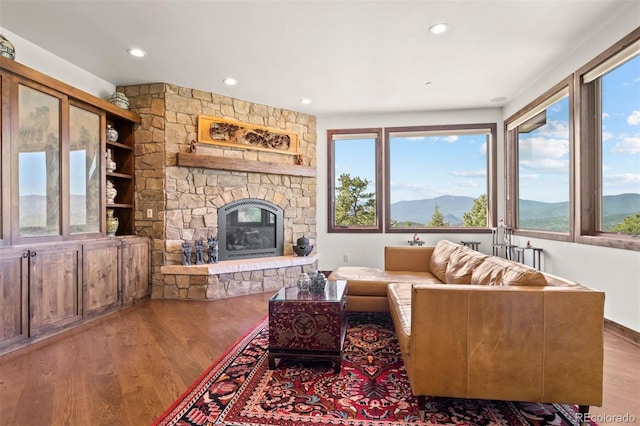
[33, 253]
[25, 254]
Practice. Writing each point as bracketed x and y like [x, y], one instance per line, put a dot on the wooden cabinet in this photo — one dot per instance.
[55, 279]
[135, 269]
[57, 266]
[45, 288]
[40, 291]
[14, 291]
[100, 272]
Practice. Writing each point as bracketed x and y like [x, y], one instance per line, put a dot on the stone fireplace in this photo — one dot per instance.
[250, 228]
[185, 192]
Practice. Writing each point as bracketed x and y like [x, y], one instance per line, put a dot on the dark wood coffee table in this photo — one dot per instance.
[304, 325]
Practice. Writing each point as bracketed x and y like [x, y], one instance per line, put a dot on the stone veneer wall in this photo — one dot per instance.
[185, 200]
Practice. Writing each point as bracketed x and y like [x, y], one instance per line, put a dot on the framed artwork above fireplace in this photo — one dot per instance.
[220, 131]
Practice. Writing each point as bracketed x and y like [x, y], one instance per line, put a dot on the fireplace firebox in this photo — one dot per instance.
[250, 228]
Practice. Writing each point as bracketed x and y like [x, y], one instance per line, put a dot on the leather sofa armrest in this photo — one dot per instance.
[413, 259]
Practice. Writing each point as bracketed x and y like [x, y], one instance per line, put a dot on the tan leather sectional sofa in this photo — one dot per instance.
[472, 325]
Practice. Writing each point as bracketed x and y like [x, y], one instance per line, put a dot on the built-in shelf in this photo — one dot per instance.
[240, 165]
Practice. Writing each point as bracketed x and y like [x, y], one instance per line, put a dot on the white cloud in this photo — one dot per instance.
[546, 164]
[634, 118]
[467, 183]
[630, 144]
[469, 173]
[529, 176]
[622, 180]
[414, 191]
[448, 139]
[483, 149]
[605, 115]
[607, 136]
[540, 148]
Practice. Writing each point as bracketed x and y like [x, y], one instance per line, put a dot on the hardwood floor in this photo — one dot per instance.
[127, 368]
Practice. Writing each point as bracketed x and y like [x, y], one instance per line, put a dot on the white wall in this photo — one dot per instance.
[615, 271]
[47, 63]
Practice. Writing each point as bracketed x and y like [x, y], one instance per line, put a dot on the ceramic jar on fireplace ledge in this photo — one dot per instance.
[302, 248]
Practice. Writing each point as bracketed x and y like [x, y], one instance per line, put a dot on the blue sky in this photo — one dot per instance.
[621, 129]
[430, 167]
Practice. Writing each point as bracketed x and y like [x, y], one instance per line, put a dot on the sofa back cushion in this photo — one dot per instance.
[518, 274]
[499, 271]
[461, 265]
[490, 271]
[440, 258]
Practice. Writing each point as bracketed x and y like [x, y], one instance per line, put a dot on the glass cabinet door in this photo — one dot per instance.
[38, 162]
[84, 170]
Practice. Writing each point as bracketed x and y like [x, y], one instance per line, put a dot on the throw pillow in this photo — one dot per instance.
[461, 266]
[517, 274]
[440, 258]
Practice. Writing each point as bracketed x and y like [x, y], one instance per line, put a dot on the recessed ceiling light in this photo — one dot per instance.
[138, 53]
[428, 83]
[499, 99]
[305, 101]
[230, 81]
[438, 28]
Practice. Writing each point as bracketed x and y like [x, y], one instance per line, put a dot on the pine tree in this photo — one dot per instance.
[477, 216]
[437, 218]
[354, 206]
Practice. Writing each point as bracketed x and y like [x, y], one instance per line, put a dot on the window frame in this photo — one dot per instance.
[491, 176]
[588, 124]
[512, 166]
[331, 226]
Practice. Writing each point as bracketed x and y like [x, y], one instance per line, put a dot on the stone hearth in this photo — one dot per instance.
[237, 277]
[185, 199]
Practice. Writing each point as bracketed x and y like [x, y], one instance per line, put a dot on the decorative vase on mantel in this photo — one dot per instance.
[109, 163]
[112, 223]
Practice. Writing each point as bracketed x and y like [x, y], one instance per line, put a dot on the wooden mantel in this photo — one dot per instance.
[240, 165]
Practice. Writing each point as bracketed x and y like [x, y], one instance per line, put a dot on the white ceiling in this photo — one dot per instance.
[346, 56]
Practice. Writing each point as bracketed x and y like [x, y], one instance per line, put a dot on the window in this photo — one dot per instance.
[538, 153]
[354, 189]
[610, 147]
[439, 177]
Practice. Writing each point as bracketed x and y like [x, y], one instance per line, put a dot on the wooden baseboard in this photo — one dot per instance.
[622, 331]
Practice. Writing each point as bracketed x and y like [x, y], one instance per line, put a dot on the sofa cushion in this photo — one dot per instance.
[490, 271]
[399, 296]
[518, 274]
[461, 265]
[440, 258]
[363, 281]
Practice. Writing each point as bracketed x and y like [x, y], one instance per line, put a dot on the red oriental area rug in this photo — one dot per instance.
[372, 389]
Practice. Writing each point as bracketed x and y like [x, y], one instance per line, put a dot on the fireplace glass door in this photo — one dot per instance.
[250, 228]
